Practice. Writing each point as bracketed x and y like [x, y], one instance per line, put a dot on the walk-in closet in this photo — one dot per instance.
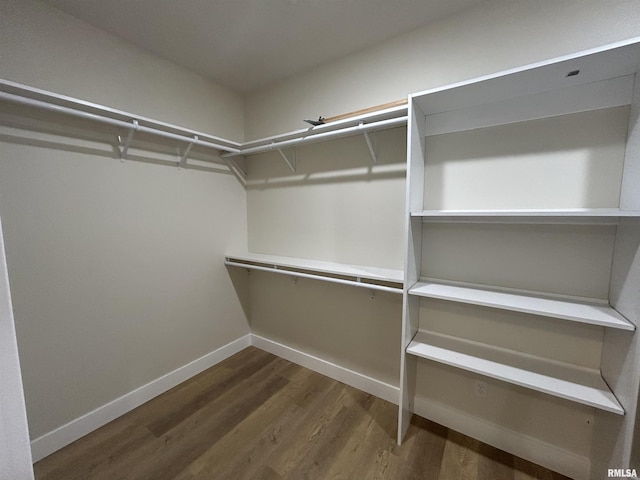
[299, 239]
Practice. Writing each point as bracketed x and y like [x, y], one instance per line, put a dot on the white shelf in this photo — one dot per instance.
[356, 275]
[26, 95]
[376, 116]
[563, 380]
[600, 216]
[373, 121]
[607, 93]
[562, 308]
[611, 61]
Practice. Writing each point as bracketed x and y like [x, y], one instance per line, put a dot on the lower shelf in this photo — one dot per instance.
[571, 382]
[373, 278]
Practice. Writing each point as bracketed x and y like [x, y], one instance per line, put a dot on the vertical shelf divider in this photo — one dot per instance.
[616, 441]
[413, 260]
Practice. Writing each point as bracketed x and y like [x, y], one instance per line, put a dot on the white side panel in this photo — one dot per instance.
[15, 451]
[630, 194]
[616, 443]
[413, 260]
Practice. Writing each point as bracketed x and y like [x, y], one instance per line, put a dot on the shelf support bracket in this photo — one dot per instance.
[372, 150]
[240, 174]
[183, 160]
[291, 163]
[123, 146]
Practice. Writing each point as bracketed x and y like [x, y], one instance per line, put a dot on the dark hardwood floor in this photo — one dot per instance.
[256, 416]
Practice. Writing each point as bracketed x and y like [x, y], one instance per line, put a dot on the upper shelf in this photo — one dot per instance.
[35, 97]
[358, 124]
[616, 60]
[370, 277]
[599, 216]
[374, 120]
[385, 112]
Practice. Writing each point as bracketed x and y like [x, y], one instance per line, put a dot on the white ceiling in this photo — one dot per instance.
[247, 44]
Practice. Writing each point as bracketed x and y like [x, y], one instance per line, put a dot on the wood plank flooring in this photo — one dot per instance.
[256, 416]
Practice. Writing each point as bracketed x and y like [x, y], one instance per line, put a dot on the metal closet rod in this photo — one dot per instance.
[310, 138]
[324, 278]
[133, 125]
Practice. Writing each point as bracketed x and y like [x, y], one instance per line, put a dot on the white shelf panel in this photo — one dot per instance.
[612, 61]
[613, 92]
[566, 381]
[599, 216]
[602, 315]
[356, 275]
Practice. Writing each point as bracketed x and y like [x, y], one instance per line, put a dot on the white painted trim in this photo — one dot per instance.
[357, 380]
[542, 453]
[79, 427]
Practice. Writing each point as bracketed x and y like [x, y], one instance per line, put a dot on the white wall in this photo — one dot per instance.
[116, 268]
[493, 36]
[569, 161]
[336, 323]
[339, 207]
[15, 452]
[45, 48]
[116, 271]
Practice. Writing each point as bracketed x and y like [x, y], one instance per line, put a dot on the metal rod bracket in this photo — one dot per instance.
[291, 163]
[370, 145]
[240, 174]
[123, 146]
[183, 160]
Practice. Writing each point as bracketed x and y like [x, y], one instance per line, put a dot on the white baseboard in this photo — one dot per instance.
[357, 380]
[70, 432]
[536, 451]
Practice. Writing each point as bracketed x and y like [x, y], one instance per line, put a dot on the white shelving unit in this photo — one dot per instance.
[373, 278]
[599, 80]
